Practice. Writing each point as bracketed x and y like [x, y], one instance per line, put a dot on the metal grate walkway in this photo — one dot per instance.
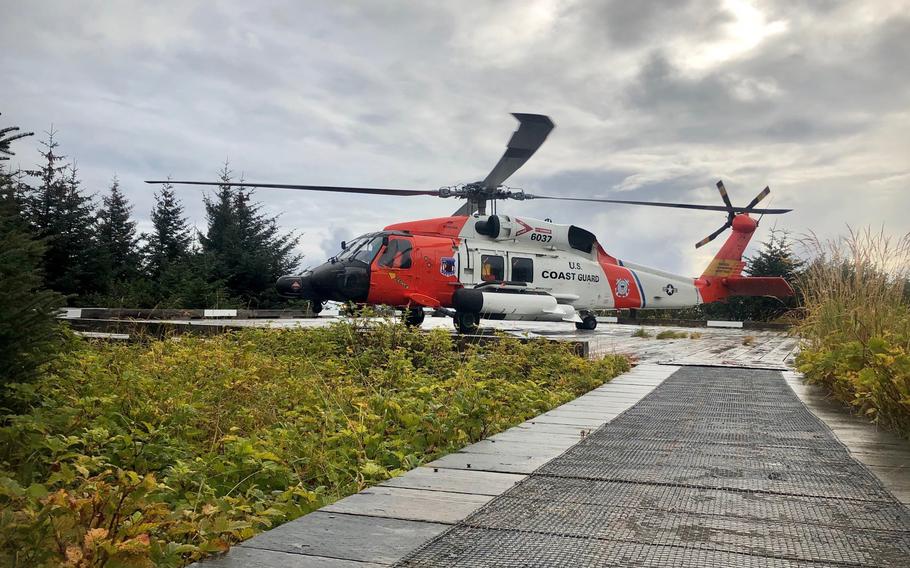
[716, 467]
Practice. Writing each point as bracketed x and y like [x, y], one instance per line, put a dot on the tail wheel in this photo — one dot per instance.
[316, 307]
[414, 317]
[466, 322]
[588, 322]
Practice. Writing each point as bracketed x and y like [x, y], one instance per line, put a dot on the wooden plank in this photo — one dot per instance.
[347, 537]
[247, 557]
[455, 481]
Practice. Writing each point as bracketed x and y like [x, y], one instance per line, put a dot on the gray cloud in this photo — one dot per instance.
[654, 100]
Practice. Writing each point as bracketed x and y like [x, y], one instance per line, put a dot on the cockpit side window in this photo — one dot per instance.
[397, 254]
[350, 248]
[368, 251]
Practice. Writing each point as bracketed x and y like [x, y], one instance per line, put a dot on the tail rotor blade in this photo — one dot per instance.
[762, 194]
[532, 131]
[724, 196]
[713, 235]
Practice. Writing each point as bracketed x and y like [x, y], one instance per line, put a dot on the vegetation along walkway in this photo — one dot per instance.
[663, 466]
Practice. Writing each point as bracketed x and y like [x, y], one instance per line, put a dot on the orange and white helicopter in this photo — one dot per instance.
[472, 265]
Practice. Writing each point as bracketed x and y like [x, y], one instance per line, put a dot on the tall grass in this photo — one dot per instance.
[857, 327]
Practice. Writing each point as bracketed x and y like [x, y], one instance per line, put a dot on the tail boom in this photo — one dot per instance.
[723, 277]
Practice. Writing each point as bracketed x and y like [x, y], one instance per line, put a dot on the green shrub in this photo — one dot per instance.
[641, 332]
[670, 334]
[158, 453]
[857, 327]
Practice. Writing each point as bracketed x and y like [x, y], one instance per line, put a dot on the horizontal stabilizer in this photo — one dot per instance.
[424, 300]
[757, 286]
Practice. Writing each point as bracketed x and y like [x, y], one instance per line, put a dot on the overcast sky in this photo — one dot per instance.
[651, 100]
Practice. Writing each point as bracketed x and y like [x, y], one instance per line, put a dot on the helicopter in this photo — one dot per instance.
[473, 265]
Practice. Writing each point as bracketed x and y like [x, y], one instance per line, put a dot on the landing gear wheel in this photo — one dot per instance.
[588, 322]
[413, 317]
[466, 322]
[315, 307]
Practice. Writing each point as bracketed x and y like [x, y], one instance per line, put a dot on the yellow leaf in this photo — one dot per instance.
[134, 545]
[94, 535]
[73, 555]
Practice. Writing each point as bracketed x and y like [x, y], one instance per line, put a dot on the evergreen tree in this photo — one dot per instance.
[117, 240]
[29, 331]
[169, 242]
[775, 258]
[244, 248]
[63, 218]
[7, 136]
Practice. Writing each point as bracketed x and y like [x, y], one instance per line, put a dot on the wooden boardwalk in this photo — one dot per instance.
[383, 525]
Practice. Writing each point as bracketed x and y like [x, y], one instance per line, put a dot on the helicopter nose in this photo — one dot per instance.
[330, 281]
[296, 286]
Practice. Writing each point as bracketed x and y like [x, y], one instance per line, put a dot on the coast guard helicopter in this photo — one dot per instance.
[473, 265]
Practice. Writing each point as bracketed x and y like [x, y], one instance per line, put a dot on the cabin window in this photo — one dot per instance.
[397, 254]
[522, 270]
[492, 268]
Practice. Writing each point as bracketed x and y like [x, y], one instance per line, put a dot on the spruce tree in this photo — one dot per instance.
[63, 218]
[29, 331]
[775, 258]
[169, 241]
[117, 240]
[7, 136]
[244, 248]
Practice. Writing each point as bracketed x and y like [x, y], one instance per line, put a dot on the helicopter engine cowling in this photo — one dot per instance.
[543, 234]
[497, 227]
[508, 301]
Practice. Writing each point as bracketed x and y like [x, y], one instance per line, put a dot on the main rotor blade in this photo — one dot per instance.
[723, 194]
[762, 194]
[366, 190]
[713, 235]
[662, 204]
[532, 131]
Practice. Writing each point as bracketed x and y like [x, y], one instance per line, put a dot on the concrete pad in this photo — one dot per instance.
[410, 504]
[455, 481]
[347, 537]
[247, 557]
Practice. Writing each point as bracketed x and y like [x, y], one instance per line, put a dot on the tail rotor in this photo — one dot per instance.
[732, 212]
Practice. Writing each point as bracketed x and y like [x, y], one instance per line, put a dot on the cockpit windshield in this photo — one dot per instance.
[362, 248]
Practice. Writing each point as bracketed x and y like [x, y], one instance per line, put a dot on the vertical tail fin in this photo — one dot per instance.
[729, 260]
